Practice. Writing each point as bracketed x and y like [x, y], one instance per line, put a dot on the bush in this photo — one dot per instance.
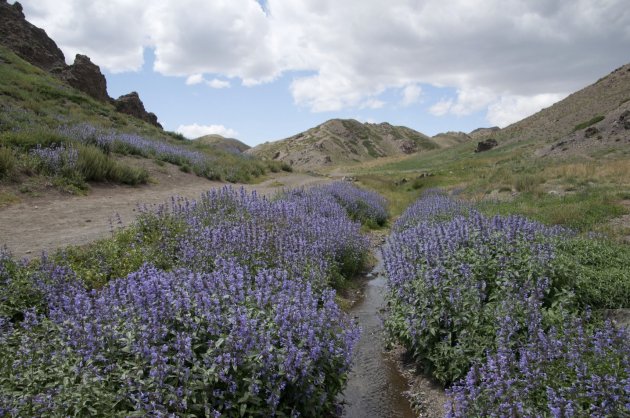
[597, 270]
[499, 303]
[573, 371]
[33, 138]
[364, 206]
[588, 123]
[94, 165]
[7, 162]
[219, 306]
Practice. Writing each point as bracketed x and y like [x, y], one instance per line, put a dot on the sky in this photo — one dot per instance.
[266, 70]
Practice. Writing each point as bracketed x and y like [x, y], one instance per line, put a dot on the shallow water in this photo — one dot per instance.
[375, 386]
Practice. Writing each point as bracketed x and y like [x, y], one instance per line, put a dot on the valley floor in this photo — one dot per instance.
[50, 222]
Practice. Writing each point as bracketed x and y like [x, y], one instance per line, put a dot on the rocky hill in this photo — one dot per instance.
[231, 145]
[344, 141]
[33, 45]
[584, 123]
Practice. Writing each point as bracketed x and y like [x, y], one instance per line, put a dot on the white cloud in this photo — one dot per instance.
[411, 94]
[510, 109]
[441, 108]
[215, 83]
[345, 54]
[195, 131]
[194, 79]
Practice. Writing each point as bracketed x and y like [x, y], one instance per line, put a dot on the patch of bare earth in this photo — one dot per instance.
[53, 220]
[427, 398]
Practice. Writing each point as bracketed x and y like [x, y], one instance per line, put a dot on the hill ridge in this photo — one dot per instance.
[345, 141]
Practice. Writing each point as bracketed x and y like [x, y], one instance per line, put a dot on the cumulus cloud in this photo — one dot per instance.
[195, 131]
[215, 83]
[497, 54]
[441, 108]
[510, 109]
[411, 94]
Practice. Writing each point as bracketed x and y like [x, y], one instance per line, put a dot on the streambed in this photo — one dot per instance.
[375, 386]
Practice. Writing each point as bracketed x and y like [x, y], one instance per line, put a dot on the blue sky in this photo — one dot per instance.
[258, 73]
[267, 112]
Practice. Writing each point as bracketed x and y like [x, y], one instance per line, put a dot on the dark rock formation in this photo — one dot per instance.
[85, 76]
[486, 145]
[624, 118]
[26, 40]
[132, 105]
[590, 132]
[409, 147]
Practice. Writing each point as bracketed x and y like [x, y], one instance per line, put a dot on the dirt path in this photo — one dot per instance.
[50, 222]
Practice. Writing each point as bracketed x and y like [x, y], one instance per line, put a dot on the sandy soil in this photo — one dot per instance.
[54, 221]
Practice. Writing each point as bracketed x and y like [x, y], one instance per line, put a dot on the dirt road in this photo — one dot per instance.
[51, 222]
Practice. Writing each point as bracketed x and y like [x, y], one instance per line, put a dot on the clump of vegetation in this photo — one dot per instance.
[362, 205]
[501, 308]
[220, 306]
[588, 123]
[7, 162]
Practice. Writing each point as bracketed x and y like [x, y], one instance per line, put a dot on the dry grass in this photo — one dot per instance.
[616, 171]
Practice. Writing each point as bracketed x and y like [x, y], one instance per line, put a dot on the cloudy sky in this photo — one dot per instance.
[265, 70]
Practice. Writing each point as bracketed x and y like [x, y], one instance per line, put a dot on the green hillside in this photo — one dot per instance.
[52, 133]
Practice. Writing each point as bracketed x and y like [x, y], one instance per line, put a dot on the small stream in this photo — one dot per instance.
[375, 387]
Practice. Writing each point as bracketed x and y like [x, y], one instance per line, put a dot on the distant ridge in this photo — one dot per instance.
[231, 145]
[344, 141]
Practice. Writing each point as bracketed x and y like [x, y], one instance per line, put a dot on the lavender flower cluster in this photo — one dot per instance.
[471, 291]
[304, 232]
[363, 205]
[56, 158]
[574, 370]
[134, 144]
[239, 322]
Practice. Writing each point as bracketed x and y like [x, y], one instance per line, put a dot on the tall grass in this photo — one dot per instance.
[94, 165]
[7, 162]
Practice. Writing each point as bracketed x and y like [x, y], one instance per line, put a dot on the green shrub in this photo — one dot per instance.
[94, 165]
[27, 140]
[176, 135]
[588, 123]
[597, 270]
[7, 162]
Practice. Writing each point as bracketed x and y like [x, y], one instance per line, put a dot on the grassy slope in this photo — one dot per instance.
[35, 104]
[583, 190]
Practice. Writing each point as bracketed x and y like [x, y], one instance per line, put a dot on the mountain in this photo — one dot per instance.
[231, 145]
[344, 141]
[584, 123]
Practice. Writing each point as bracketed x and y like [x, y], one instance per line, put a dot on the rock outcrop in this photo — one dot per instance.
[486, 145]
[28, 41]
[132, 105]
[86, 76]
